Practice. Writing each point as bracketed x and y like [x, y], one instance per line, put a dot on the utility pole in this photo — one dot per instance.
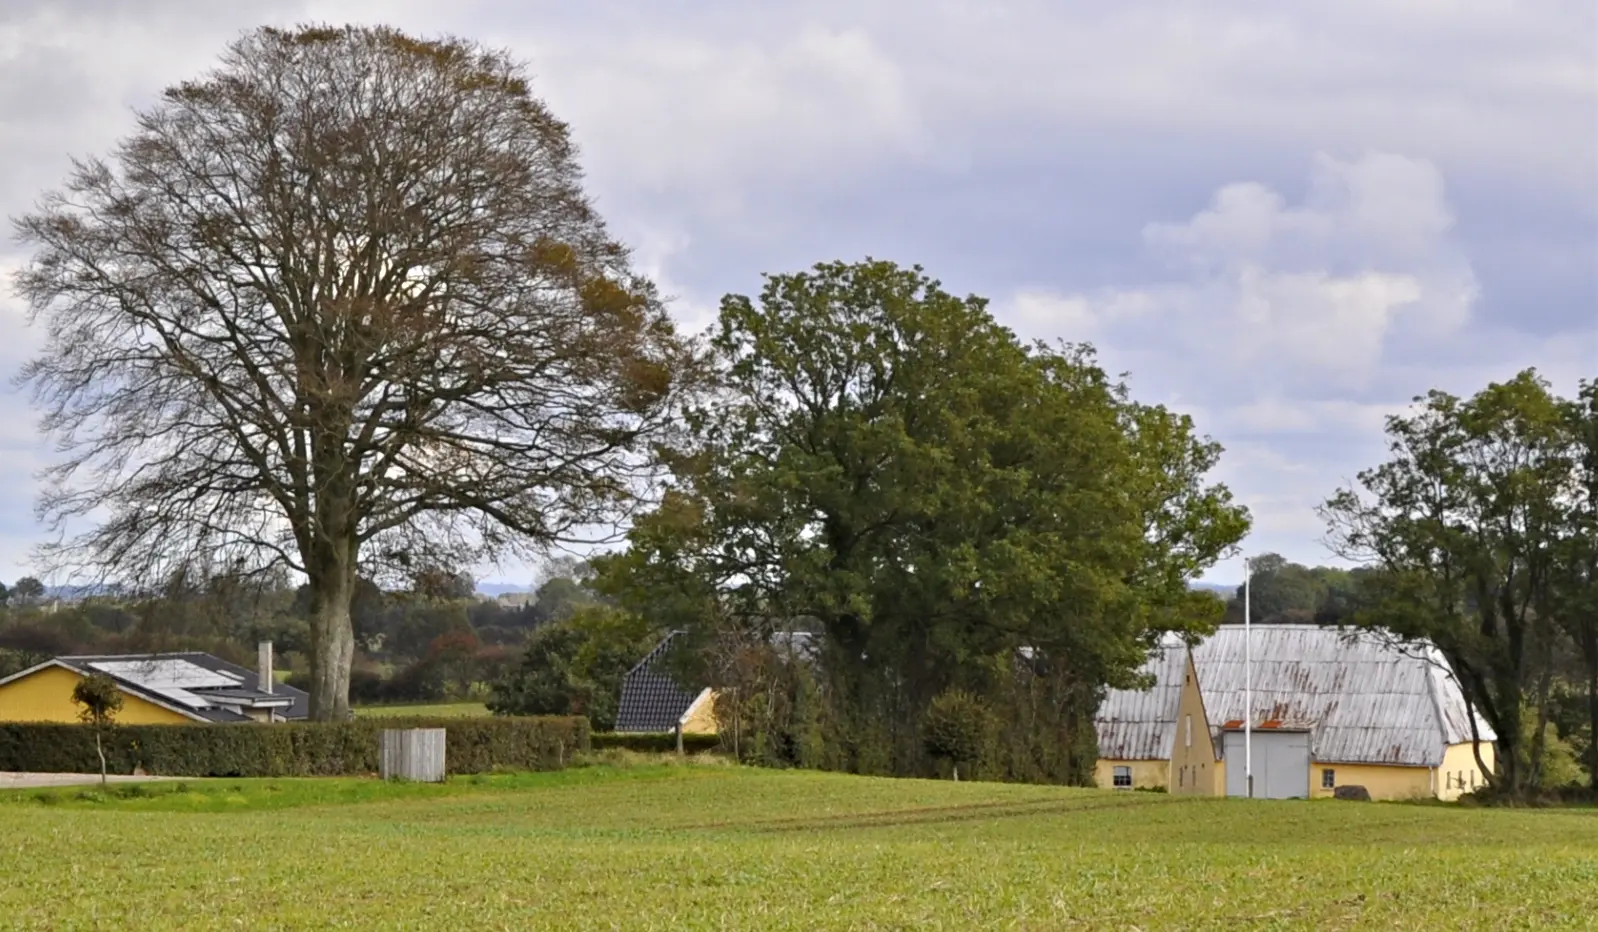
[1248, 682]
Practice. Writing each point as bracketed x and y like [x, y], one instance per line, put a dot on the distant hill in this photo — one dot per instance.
[1225, 590]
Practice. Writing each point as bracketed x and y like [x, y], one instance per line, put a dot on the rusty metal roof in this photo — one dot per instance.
[1364, 697]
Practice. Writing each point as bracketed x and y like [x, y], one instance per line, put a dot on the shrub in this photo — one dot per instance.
[289, 749]
[957, 728]
[651, 743]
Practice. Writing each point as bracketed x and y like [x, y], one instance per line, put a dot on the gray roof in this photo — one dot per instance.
[651, 699]
[1139, 724]
[1364, 697]
[197, 684]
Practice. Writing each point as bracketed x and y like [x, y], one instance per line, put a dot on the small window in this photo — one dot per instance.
[1123, 778]
[1328, 779]
[1181, 777]
[1188, 723]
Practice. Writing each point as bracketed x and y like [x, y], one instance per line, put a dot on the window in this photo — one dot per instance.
[1123, 778]
[1181, 777]
[1188, 723]
[1328, 779]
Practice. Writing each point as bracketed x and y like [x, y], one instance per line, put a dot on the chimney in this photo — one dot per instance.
[264, 666]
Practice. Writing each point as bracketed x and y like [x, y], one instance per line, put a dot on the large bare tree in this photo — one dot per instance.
[340, 301]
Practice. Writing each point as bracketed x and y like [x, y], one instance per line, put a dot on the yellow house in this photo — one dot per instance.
[1327, 708]
[157, 689]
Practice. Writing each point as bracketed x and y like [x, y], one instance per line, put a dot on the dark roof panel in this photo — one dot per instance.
[651, 700]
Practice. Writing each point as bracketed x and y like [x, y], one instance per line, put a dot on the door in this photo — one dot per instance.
[1281, 764]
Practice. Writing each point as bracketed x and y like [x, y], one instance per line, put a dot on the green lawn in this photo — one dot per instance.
[437, 710]
[713, 847]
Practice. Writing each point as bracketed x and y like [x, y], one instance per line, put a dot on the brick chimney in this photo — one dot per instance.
[263, 652]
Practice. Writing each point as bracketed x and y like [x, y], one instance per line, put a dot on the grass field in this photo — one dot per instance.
[718, 847]
[437, 710]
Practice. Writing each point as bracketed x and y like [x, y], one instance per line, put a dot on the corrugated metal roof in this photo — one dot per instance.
[1138, 724]
[1364, 698]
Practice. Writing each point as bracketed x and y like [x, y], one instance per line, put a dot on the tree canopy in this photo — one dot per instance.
[883, 464]
[1479, 528]
[339, 303]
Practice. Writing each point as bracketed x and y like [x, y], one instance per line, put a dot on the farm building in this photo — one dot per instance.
[157, 689]
[1330, 708]
[653, 701]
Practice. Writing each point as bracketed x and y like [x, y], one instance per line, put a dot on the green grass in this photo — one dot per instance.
[435, 710]
[690, 847]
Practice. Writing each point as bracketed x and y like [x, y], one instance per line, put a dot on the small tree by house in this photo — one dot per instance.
[100, 701]
[957, 728]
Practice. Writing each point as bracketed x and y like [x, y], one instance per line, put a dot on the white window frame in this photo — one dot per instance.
[1119, 772]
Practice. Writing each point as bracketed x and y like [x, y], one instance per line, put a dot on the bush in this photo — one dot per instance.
[650, 743]
[289, 749]
[957, 728]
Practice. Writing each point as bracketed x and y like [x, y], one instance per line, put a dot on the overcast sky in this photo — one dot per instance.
[1285, 219]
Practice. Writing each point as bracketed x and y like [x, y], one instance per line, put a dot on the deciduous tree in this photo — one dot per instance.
[886, 465]
[340, 301]
[99, 700]
[1464, 523]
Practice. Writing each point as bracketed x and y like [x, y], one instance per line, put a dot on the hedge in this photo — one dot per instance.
[289, 749]
[652, 743]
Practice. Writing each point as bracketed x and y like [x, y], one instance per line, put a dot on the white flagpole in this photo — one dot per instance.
[1248, 683]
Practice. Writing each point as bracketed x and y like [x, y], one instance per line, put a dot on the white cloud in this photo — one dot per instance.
[1284, 327]
[1306, 295]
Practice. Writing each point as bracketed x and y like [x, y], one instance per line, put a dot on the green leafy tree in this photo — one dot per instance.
[885, 462]
[1576, 581]
[353, 311]
[958, 728]
[99, 701]
[1463, 525]
[575, 667]
[27, 591]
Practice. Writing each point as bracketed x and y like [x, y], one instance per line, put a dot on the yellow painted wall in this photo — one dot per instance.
[46, 696]
[1459, 774]
[1194, 769]
[1382, 782]
[1146, 774]
[700, 719]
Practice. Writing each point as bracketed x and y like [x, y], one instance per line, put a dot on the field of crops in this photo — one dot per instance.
[684, 847]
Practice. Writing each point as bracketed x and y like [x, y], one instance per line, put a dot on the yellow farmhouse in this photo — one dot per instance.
[157, 689]
[1330, 708]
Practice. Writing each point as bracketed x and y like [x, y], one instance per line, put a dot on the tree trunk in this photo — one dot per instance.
[332, 586]
[100, 750]
[957, 773]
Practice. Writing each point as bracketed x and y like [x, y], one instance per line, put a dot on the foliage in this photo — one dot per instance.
[99, 699]
[576, 666]
[27, 591]
[1465, 526]
[957, 728]
[700, 848]
[297, 749]
[652, 743]
[886, 466]
[1284, 592]
[352, 310]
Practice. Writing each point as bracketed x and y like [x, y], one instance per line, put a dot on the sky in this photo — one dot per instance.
[1286, 220]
